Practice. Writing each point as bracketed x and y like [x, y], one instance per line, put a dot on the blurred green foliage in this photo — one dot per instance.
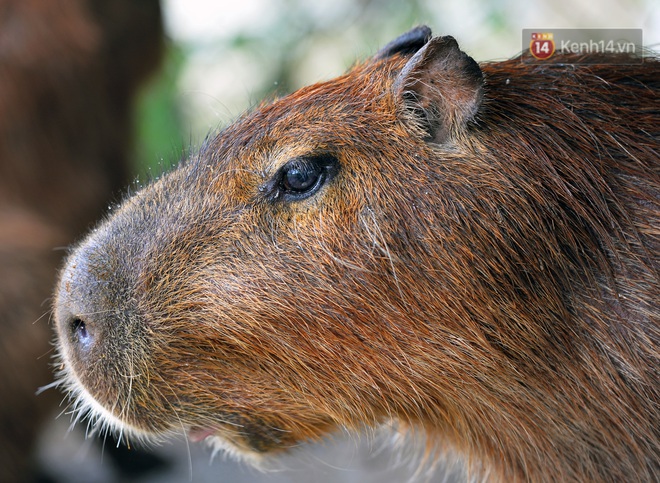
[158, 122]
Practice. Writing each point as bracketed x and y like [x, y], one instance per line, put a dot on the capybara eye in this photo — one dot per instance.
[301, 177]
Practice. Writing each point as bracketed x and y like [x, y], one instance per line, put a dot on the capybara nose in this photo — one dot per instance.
[90, 311]
[95, 322]
[77, 317]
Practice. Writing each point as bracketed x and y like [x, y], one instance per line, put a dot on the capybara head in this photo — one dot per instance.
[469, 251]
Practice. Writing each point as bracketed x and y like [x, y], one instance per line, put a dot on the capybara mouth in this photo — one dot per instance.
[247, 439]
[244, 436]
[471, 251]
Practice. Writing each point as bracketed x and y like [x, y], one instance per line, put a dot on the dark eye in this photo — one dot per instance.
[301, 177]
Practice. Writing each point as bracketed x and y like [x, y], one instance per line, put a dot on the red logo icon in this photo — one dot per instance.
[542, 45]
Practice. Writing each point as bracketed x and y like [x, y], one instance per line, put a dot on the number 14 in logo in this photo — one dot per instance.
[542, 45]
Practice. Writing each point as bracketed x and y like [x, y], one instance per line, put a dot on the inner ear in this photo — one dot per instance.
[440, 88]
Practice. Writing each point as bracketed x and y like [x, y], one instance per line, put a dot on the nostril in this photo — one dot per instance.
[81, 332]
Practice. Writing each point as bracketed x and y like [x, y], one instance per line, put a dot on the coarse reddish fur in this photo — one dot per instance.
[69, 71]
[483, 266]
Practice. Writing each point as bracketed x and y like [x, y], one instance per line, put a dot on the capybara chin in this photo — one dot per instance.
[472, 251]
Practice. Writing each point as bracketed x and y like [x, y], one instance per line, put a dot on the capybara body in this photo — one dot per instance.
[69, 73]
[469, 251]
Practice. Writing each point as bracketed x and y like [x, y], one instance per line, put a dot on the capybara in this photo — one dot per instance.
[468, 251]
[69, 73]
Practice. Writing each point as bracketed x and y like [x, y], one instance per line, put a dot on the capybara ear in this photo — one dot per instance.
[442, 87]
[406, 44]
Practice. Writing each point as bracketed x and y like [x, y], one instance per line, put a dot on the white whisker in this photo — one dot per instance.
[373, 230]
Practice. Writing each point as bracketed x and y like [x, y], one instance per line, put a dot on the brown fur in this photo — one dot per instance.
[480, 261]
[68, 73]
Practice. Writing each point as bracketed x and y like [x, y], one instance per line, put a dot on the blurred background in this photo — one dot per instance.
[218, 59]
